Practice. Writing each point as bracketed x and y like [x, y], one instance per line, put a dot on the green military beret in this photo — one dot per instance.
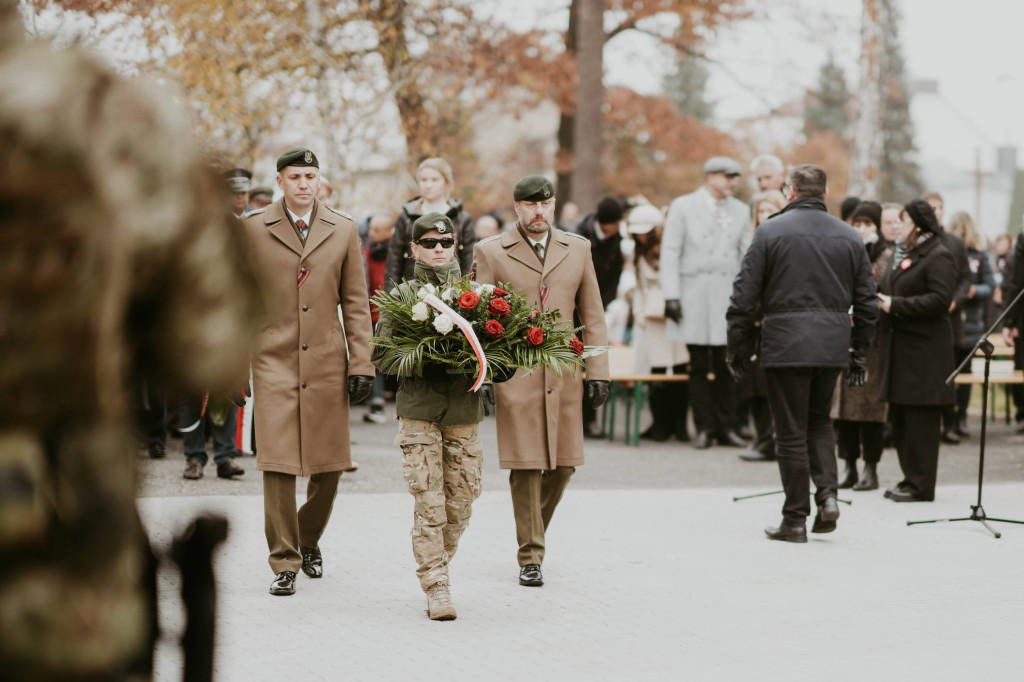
[432, 221]
[533, 188]
[300, 156]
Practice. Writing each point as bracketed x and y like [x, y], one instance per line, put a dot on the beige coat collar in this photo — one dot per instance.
[321, 227]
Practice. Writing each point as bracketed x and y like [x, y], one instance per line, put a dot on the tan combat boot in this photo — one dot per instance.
[439, 602]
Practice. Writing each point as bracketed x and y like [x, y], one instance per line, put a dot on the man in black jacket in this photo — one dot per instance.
[804, 270]
[602, 229]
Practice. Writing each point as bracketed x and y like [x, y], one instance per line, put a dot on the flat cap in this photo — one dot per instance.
[238, 180]
[300, 156]
[432, 221]
[261, 191]
[722, 164]
[533, 188]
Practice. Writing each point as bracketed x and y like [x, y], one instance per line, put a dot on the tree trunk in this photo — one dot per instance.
[586, 170]
[867, 139]
[566, 123]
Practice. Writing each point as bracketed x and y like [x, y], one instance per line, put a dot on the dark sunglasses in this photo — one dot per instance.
[430, 243]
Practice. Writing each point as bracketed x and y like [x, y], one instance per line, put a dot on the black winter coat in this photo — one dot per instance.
[607, 255]
[984, 283]
[917, 337]
[400, 261]
[806, 269]
[955, 245]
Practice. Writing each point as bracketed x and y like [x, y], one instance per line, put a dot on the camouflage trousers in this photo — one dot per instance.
[441, 465]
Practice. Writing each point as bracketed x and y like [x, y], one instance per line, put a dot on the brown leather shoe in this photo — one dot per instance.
[228, 469]
[193, 470]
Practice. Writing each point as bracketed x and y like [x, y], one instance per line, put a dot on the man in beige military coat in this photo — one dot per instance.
[307, 365]
[540, 420]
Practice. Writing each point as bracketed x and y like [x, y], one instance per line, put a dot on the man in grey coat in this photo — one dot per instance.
[706, 234]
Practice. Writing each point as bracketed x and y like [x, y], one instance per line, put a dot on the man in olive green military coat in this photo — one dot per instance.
[540, 418]
[307, 366]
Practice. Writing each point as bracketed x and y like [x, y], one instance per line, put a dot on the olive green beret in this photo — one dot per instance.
[533, 188]
[432, 221]
[300, 156]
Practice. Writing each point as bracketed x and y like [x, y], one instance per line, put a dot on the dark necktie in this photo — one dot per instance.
[539, 250]
[302, 227]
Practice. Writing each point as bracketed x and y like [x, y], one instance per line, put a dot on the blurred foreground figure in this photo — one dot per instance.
[112, 239]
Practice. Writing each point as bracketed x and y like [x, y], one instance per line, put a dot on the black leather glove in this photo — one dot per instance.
[858, 370]
[595, 392]
[673, 310]
[238, 398]
[501, 375]
[487, 395]
[359, 388]
[737, 364]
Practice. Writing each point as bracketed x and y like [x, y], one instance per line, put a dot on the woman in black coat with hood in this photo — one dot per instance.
[917, 349]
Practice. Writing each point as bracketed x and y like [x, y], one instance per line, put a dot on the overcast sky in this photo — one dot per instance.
[975, 52]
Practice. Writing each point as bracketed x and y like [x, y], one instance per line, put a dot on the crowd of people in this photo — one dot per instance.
[667, 283]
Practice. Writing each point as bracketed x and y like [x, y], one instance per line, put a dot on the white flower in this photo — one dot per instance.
[448, 295]
[426, 289]
[488, 288]
[444, 323]
[475, 288]
[420, 312]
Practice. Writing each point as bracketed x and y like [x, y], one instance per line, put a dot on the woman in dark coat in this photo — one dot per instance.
[859, 414]
[436, 184]
[917, 349]
[983, 284]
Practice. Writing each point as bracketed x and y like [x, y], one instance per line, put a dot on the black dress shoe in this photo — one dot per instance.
[949, 436]
[756, 456]
[900, 487]
[530, 576]
[828, 514]
[156, 450]
[703, 441]
[906, 496]
[733, 439]
[283, 584]
[657, 433]
[312, 562]
[788, 532]
[849, 478]
[228, 469]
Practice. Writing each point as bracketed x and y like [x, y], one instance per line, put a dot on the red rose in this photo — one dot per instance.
[498, 307]
[468, 300]
[535, 336]
[576, 345]
[533, 315]
[499, 292]
[494, 329]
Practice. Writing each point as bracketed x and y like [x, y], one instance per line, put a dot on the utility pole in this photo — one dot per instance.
[867, 138]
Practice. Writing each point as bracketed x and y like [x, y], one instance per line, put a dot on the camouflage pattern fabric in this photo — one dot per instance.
[115, 262]
[442, 467]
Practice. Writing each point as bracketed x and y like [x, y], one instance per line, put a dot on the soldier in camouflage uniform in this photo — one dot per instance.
[112, 239]
[440, 417]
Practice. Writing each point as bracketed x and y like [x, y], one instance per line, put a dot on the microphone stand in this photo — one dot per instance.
[977, 511]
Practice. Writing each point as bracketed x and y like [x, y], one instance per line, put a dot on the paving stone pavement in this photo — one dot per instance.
[641, 584]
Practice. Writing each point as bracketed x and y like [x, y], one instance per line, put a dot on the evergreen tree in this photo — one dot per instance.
[826, 106]
[899, 173]
[687, 87]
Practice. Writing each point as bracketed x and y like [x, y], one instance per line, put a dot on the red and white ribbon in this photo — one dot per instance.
[202, 413]
[467, 330]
